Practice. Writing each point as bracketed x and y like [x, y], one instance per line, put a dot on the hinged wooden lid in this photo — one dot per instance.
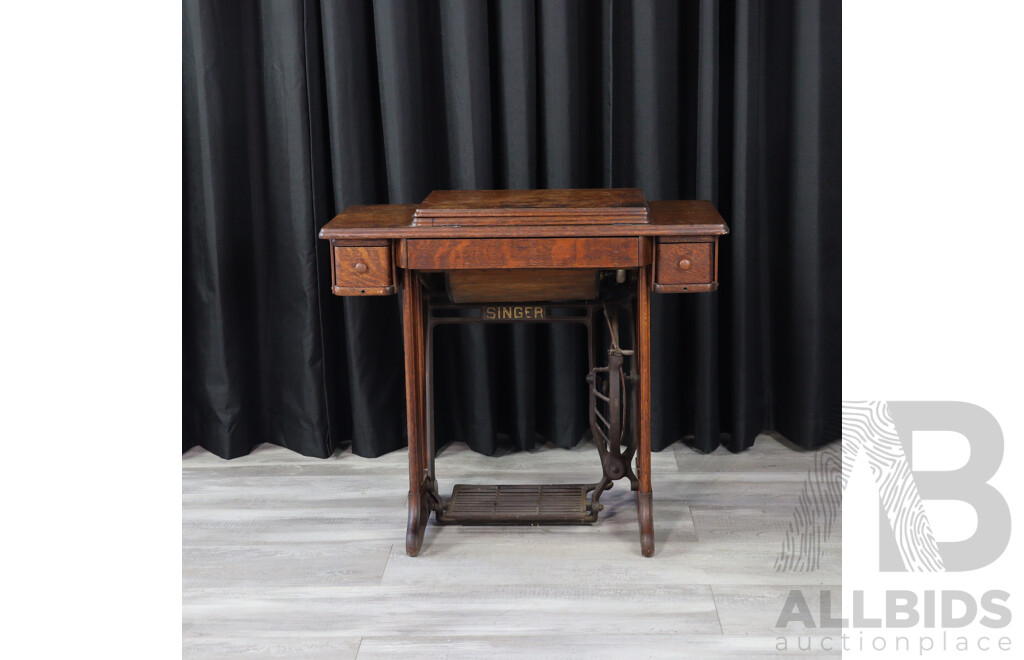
[532, 207]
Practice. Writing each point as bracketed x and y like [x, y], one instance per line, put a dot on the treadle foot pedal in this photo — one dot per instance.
[517, 505]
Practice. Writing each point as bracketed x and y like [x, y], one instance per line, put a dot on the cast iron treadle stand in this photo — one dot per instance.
[611, 395]
[514, 246]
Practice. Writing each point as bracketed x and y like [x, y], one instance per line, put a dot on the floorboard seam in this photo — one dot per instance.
[380, 582]
[696, 532]
[718, 616]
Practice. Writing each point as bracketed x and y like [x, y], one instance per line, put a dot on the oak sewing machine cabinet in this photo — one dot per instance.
[591, 257]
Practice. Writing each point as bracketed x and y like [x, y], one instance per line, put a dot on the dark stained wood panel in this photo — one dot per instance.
[586, 201]
[531, 207]
[667, 218]
[684, 263]
[363, 270]
[457, 254]
[687, 216]
[470, 286]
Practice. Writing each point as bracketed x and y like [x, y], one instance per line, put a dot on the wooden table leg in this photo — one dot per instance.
[644, 496]
[412, 334]
[429, 443]
[426, 403]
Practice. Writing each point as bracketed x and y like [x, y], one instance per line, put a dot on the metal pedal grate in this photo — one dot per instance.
[561, 503]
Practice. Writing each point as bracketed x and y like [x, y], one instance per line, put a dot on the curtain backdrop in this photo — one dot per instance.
[294, 110]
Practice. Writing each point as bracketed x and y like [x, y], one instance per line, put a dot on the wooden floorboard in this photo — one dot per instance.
[592, 647]
[754, 609]
[305, 647]
[294, 557]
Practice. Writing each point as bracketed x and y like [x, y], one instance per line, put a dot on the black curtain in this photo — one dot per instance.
[294, 110]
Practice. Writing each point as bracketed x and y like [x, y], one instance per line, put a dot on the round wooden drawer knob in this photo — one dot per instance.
[684, 264]
[360, 267]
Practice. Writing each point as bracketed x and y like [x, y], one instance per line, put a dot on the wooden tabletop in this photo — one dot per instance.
[500, 213]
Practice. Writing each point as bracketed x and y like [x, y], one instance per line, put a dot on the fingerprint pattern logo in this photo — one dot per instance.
[817, 513]
[868, 428]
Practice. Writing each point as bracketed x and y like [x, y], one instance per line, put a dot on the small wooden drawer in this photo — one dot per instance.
[684, 267]
[363, 270]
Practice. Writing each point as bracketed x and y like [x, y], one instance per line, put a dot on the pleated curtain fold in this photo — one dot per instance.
[293, 111]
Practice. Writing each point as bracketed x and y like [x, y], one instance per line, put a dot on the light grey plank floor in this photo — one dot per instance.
[292, 557]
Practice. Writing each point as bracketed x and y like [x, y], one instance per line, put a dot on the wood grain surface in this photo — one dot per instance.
[509, 253]
[363, 267]
[667, 218]
[568, 201]
[684, 263]
[466, 286]
[532, 207]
